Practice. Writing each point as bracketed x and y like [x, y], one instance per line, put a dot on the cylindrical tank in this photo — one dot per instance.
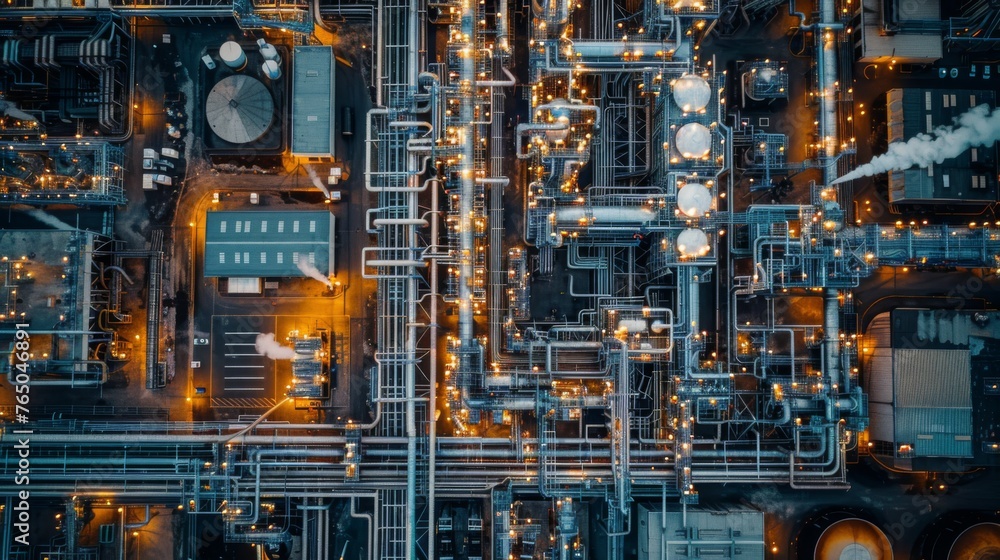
[271, 69]
[961, 536]
[842, 535]
[853, 539]
[267, 51]
[232, 55]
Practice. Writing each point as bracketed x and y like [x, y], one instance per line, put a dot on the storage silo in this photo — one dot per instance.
[239, 109]
[232, 55]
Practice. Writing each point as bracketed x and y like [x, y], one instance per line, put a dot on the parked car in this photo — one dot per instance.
[972, 71]
[209, 63]
[986, 71]
[254, 198]
[150, 180]
[170, 153]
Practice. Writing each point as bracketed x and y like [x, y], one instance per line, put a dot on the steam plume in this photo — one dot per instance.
[316, 181]
[265, 345]
[978, 127]
[49, 219]
[311, 271]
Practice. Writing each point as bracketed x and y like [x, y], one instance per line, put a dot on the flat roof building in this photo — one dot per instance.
[707, 533]
[969, 179]
[897, 32]
[265, 244]
[313, 116]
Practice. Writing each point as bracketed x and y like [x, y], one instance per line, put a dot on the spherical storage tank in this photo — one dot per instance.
[232, 55]
[561, 116]
[693, 242]
[693, 140]
[694, 200]
[691, 93]
[239, 109]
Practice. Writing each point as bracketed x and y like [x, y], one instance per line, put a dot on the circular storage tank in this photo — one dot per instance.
[271, 69]
[979, 542]
[693, 242]
[239, 109]
[693, 140]
[694, 200]
[561, 116]
[853, 539]
[232, 55]
[691, 93]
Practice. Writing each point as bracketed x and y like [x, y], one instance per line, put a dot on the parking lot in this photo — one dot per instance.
[240, 376]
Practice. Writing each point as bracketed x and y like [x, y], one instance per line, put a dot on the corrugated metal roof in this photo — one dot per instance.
[313, 115]
[935, 432]
[878, 376]
[881, 419]
[932, 378]
[267, 244]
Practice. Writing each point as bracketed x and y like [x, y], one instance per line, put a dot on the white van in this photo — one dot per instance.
[170, 153]
[254, 198]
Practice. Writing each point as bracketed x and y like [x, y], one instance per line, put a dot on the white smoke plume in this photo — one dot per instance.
[265, 345]
[316, 180]
[311, 271]
[49, 219]
[980, 126]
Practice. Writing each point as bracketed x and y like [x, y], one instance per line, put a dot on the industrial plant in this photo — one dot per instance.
[495, 280]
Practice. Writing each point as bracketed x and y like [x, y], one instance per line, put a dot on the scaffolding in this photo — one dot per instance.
[82, 173]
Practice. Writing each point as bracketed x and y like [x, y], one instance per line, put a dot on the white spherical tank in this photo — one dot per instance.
[693, 140]
[561, 116]
[271, 69]
[693, 242]
[691, 93]
[232, 55]
[694, 200]
[267, 51]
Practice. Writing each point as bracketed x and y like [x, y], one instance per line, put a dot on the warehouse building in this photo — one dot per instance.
[967, 180]
[933, 388]
[313, 116]
[268, 244]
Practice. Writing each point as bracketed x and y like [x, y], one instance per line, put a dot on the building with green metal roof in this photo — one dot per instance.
[313, 115]
[268, 244]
